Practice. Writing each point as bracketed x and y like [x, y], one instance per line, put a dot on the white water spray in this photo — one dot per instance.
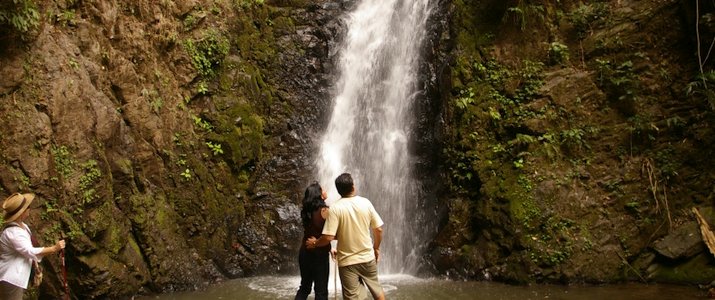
[370, 126]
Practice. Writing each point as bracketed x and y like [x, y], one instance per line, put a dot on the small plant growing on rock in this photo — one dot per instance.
[186, 174]
[202, 88]
[558, 53]
[524, 11]
[88, 180]
[466, 98]
[208, 52]
[64, 164]
[584, 17]
[702, 86]
[215, 148]
[620, 82]
[203, 124]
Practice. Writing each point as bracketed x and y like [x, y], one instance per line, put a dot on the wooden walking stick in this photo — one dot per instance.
[335, 275]
[64, 274]
[335, 279]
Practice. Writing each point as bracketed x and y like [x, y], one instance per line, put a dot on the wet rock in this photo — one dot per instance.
[443, 258]
[697, 269]
[289, 212]
[684, 242]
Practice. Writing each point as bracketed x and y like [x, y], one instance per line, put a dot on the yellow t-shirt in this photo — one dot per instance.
[350, 220]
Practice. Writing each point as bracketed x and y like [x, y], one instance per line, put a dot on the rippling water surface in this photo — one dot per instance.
[412, 288]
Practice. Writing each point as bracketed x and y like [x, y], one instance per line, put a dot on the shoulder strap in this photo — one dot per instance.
[8, 225]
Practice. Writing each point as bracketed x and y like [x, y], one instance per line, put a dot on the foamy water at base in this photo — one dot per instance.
[412, 288]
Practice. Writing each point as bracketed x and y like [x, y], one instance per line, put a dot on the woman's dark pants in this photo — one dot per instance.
[314, 268]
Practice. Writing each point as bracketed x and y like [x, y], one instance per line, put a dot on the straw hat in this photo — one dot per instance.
[15, 205]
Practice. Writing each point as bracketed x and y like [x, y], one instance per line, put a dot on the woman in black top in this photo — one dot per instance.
[314, 263]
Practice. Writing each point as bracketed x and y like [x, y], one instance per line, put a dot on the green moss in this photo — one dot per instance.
[248, 3]
[96, 221]
[467, 38]
[240, 129]
[243, 179]
[115, 239]
[134, 246]
[282, 23]
[125, 165]
[256, 41]
[161, 218]
[523, 210]
[140, 204]
[239, 210]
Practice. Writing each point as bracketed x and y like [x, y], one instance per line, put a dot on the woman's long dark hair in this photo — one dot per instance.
[312, 200]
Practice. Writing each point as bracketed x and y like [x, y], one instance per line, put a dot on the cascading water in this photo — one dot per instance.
[371, 124]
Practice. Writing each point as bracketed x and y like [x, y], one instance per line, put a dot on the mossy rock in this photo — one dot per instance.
[699, 269]
[100, 266]
[240, 130]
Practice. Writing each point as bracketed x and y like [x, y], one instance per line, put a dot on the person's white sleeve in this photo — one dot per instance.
[21, 242]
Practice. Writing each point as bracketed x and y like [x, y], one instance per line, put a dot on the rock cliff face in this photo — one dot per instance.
[577, 139]
[169, 141]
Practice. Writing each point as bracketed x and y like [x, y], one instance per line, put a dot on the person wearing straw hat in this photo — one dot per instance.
[17, 253]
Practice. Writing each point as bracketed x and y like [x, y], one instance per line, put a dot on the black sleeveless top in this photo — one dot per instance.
[315, 229]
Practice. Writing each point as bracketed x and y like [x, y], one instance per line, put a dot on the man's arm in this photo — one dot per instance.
[376, 240]
[324, 240]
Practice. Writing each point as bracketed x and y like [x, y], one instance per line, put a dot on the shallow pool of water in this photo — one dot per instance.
[412, 288]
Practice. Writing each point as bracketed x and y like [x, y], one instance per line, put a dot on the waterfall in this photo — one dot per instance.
[370, 127]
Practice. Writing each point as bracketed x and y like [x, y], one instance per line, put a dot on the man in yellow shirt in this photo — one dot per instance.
[351, 219]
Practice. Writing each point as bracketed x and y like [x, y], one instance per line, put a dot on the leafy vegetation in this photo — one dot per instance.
[486, 96]
[526, 11]
[186, 174]
[703, 86]
[504, 131]
[558, 53]
[208, 52]
[620, 82]
[64, 164]
[155, 100]
[203, 124]
[587, 15]
[86, 183]
[22, 15]
[215, 148]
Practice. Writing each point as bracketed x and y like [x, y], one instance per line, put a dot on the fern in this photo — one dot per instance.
[20, 14]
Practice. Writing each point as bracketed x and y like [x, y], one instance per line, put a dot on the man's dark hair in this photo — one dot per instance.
[344, 184]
